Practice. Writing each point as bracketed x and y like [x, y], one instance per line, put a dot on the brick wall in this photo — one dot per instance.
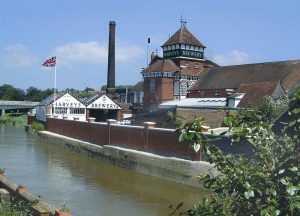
[155, 140]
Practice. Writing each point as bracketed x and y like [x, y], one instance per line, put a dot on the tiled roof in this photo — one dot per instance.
[138, 86]
[187, 72]
[183, 36]
[209, 64]
[255, 93]
[285, 72]
[162, 65]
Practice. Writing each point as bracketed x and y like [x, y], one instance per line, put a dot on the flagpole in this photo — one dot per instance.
[54, 97]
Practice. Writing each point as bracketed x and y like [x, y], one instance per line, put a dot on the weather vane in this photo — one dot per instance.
[183, 22]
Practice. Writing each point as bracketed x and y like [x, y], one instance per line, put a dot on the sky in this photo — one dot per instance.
[234, 32]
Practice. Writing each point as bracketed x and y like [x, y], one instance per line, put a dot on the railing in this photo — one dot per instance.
[18, 103]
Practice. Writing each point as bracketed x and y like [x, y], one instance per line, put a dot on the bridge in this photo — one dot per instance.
[12, 105]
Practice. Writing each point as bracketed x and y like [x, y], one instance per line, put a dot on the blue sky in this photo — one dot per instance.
[234, 32]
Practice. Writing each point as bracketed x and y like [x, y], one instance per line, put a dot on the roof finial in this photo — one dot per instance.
[183, 22]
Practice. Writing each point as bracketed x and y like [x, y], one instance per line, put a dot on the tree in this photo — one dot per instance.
[33, 94]
[8, 92]
[264, 183]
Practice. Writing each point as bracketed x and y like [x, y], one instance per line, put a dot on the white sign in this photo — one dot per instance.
[67, 101]
[103, 102]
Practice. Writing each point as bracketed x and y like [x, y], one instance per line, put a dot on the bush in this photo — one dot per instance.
[264, 183]
[5, 119]
[17, 208]
[19, 120]
[37, 126]
[273, 107]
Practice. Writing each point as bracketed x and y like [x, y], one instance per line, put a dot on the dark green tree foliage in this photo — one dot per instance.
[264, 183]
[8, 92]
[33, 94]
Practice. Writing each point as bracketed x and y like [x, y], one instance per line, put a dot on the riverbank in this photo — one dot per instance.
[14, 119]
[26, 202]
[179, 170]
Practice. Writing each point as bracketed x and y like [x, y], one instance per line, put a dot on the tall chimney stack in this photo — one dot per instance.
[111, 59]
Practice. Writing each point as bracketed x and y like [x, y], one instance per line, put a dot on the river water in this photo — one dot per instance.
[87, 186]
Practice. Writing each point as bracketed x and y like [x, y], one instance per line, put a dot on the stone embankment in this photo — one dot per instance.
[170, 168]
[10, 190]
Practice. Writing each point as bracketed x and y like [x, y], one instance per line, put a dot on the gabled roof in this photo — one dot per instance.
[95, 97]
[187, 72]
[210, 64]
[92, 98]
[48, 100]
[139, 86]
[255, 93]
[287, 73]
[183, 36]
[162, 66]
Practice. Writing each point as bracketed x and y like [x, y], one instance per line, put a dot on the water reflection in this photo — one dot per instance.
[87, 186]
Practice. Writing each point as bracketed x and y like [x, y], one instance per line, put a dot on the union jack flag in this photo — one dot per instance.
[50, 62]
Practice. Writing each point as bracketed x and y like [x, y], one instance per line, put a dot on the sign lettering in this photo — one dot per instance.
[183, 53]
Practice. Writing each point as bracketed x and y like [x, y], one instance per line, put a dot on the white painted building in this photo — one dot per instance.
[101, 107]
[65, 106]
[204, 102]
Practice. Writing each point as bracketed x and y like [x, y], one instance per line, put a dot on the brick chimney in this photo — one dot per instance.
[110, 89]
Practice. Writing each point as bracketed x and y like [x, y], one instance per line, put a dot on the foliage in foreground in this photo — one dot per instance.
[265, 182]
[17, 208]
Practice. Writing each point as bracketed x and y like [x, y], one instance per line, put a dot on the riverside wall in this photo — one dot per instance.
[159, 141]
[170, 168]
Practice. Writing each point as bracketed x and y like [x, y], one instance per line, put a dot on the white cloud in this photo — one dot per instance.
[93, 52]
[17, 56]
[234, 57]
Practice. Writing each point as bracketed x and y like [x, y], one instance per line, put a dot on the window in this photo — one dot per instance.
[187, 64]
[77, 111]
[197, 66]
[177, 46]
[196, 48]
[217, 93]
[187, 47]
[192, 48]
[152, 85]
[59, 110]
[173, 47]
